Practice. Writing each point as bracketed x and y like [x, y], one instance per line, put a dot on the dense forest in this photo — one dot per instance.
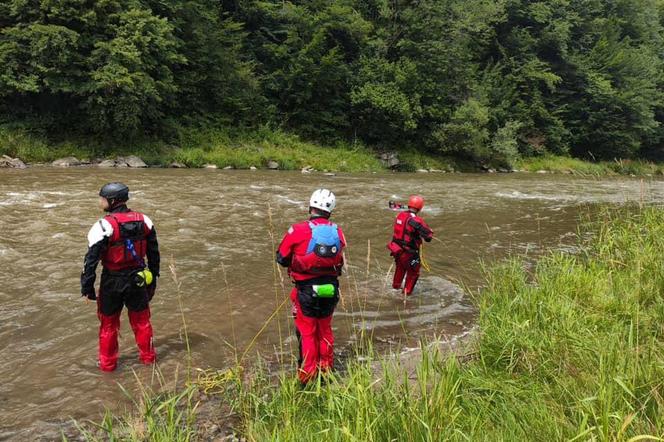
[477, 79]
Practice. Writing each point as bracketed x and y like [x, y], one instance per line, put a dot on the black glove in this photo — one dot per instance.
[151, 289]
[92, 296]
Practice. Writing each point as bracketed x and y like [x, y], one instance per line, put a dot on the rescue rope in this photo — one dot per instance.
[267, 321]
[423, 261]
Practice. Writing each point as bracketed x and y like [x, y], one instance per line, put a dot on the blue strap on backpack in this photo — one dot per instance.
[132, 251]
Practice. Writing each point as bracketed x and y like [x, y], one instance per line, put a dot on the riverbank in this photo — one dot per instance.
[575, 166]
[265, 148]
[218, 148]
[568, 349]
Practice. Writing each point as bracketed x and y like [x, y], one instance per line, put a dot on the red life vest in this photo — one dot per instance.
[405, 235]
[126, 225]
[323, 255]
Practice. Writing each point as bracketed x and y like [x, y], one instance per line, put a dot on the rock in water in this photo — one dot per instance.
[272, 165]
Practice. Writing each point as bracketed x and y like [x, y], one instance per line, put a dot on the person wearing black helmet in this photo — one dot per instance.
[121, 240]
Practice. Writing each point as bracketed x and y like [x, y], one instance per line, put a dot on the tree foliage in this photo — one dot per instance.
[489, 80]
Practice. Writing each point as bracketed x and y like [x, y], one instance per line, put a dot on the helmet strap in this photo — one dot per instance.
[114, 204]
[317, 213]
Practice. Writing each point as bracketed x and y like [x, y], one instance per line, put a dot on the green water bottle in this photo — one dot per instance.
[324, 291]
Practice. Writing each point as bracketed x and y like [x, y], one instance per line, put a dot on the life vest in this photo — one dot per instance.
[323, 255]
[405, 235]
[127, 226]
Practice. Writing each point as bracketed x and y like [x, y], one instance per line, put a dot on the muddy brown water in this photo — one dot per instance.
[214, 228]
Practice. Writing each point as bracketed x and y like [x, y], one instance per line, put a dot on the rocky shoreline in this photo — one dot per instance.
[390, 162]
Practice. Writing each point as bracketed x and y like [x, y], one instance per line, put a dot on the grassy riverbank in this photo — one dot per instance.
[197, 147]
[569, 349]
[242, 149]
[568, 165]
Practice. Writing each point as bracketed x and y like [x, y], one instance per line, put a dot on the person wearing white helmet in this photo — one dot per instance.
[312, 251]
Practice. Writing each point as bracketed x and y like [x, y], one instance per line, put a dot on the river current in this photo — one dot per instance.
[217, 232]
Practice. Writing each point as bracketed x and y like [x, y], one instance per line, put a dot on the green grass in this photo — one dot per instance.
[570, 349]
[159, 416]
[413, 160]
[196, 147]
[35, 148]
[243, 148]
[560, 164]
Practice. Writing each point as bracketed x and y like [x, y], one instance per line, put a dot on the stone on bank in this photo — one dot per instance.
[13, 163]
[66, 162]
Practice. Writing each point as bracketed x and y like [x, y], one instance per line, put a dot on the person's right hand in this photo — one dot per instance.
[92, 296]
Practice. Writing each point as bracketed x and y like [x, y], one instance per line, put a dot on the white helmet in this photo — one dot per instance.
[323, 199]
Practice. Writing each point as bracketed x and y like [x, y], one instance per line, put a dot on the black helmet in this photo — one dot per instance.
[115, 192]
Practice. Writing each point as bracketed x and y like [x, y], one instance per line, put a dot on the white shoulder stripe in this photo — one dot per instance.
[100, 230]
[148, 222]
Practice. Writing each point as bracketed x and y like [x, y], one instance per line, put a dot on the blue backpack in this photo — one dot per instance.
[325, 241]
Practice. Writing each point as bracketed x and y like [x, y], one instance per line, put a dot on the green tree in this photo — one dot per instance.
[386, 105]
[617, 80]
[130, 73]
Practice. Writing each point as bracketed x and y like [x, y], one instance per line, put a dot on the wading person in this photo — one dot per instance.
[121, 240]
[312, 251]
[409, 231]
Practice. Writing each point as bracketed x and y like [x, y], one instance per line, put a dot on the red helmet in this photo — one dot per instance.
[416, 202]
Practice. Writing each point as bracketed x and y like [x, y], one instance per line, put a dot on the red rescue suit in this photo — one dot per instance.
[409, 231]
[313, 315]
[118, 286]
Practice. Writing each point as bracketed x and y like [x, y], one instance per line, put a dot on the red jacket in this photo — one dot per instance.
[292, 253]
[409, 231]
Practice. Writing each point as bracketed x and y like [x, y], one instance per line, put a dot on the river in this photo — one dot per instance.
[217, 231]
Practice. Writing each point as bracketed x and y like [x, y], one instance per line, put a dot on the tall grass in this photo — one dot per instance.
[571, 351]
[166, 415]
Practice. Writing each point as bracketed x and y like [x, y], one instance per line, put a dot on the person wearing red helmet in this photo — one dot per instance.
[409, 231]
[121, 240]
[312, 251]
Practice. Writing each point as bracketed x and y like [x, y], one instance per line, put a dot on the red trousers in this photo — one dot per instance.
[316, 342]
[108, 337]
[403, 267]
